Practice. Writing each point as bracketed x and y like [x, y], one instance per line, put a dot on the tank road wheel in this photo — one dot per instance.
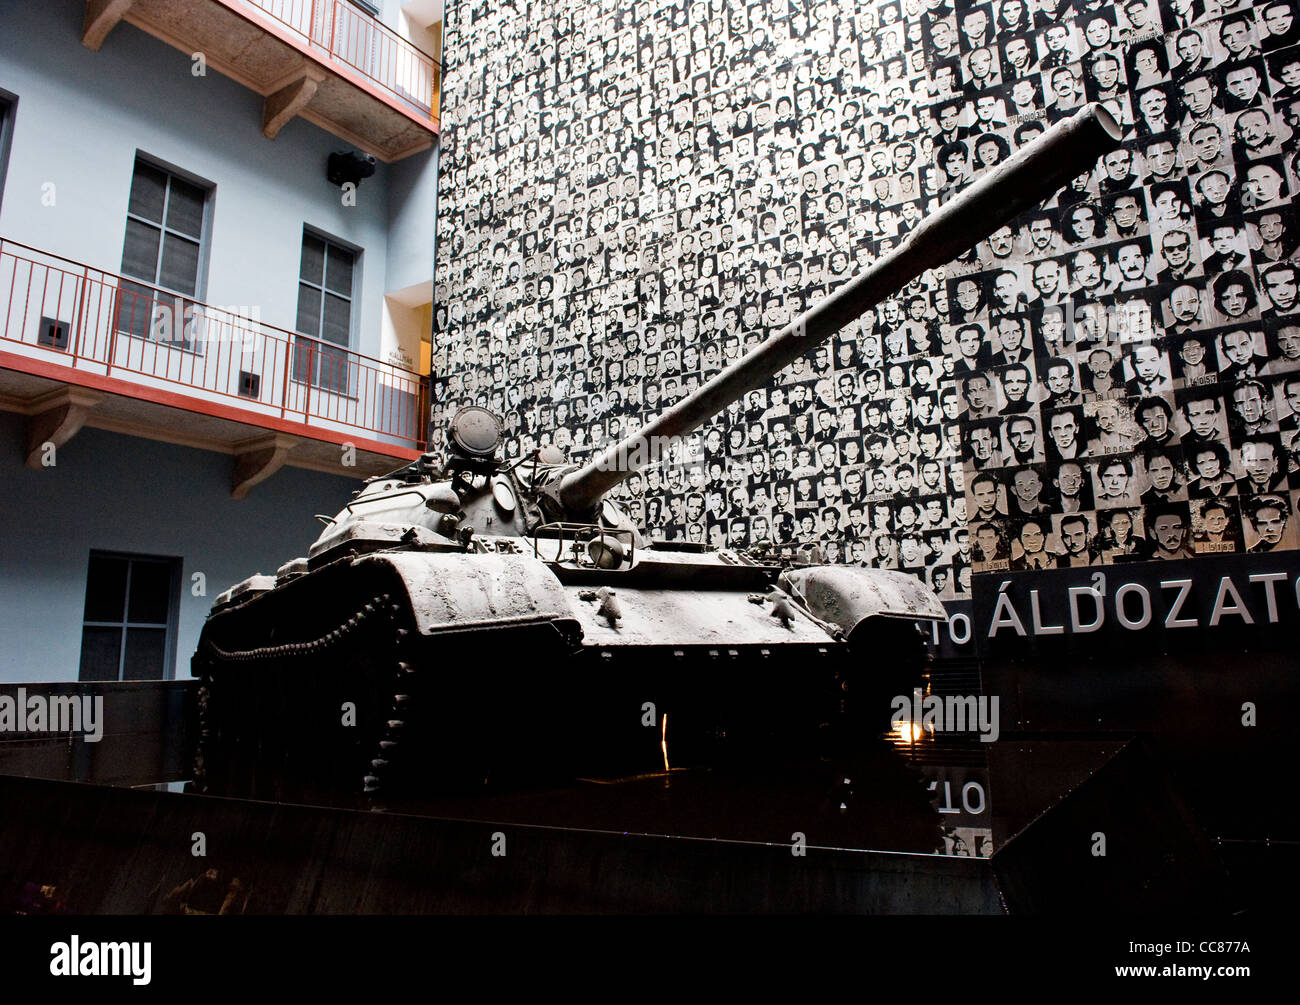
[461, 718]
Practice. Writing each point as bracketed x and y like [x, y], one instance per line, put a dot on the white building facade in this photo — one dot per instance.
[216, 266]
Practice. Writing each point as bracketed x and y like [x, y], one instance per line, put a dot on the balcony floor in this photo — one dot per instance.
[249, 46]
[120, 413]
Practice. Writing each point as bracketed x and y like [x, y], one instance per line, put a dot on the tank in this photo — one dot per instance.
[465, 622]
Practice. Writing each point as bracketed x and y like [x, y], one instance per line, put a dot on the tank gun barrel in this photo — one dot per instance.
[1063, 152]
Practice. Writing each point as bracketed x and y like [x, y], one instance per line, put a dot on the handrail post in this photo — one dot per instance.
[113, 329]
[311, 380]
[288, 367]
[81, 314]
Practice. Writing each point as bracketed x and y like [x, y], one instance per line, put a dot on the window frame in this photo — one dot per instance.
[348, 351]
[172, 627]
[199, 296]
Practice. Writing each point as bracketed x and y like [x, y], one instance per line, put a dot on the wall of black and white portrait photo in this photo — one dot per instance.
[635, 195]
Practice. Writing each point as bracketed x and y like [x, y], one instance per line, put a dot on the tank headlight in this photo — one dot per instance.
[606, 553]
[503, 495]
[475, 431]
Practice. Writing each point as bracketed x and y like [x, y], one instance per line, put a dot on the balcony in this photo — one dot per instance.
[82, 346]
[325, 60]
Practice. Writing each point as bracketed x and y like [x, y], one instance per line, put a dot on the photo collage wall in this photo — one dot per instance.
[634, 195]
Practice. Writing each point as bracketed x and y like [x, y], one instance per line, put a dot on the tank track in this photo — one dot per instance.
[375, 627]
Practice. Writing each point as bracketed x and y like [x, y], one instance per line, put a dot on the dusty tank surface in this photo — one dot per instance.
[466, 622]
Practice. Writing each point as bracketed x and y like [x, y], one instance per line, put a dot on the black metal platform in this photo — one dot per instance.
[710, 842]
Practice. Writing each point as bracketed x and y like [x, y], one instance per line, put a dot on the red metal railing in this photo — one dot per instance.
[351, 36]
[93, 322]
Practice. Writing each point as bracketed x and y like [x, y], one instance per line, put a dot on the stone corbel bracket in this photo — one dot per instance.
[257, 460]
[102, 16]
[56, 418]
[289, 100]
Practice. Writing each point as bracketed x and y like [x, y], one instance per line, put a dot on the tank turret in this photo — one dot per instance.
[467, 621]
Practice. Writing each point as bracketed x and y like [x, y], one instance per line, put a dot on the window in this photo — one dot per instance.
[7, 104]
[165, 227]
[358, 39]
[325, 313]
[129, 625]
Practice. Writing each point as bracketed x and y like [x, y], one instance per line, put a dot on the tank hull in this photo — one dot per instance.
[396, 675]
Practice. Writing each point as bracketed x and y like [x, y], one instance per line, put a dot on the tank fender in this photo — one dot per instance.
[846, 595]
[461, 592]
